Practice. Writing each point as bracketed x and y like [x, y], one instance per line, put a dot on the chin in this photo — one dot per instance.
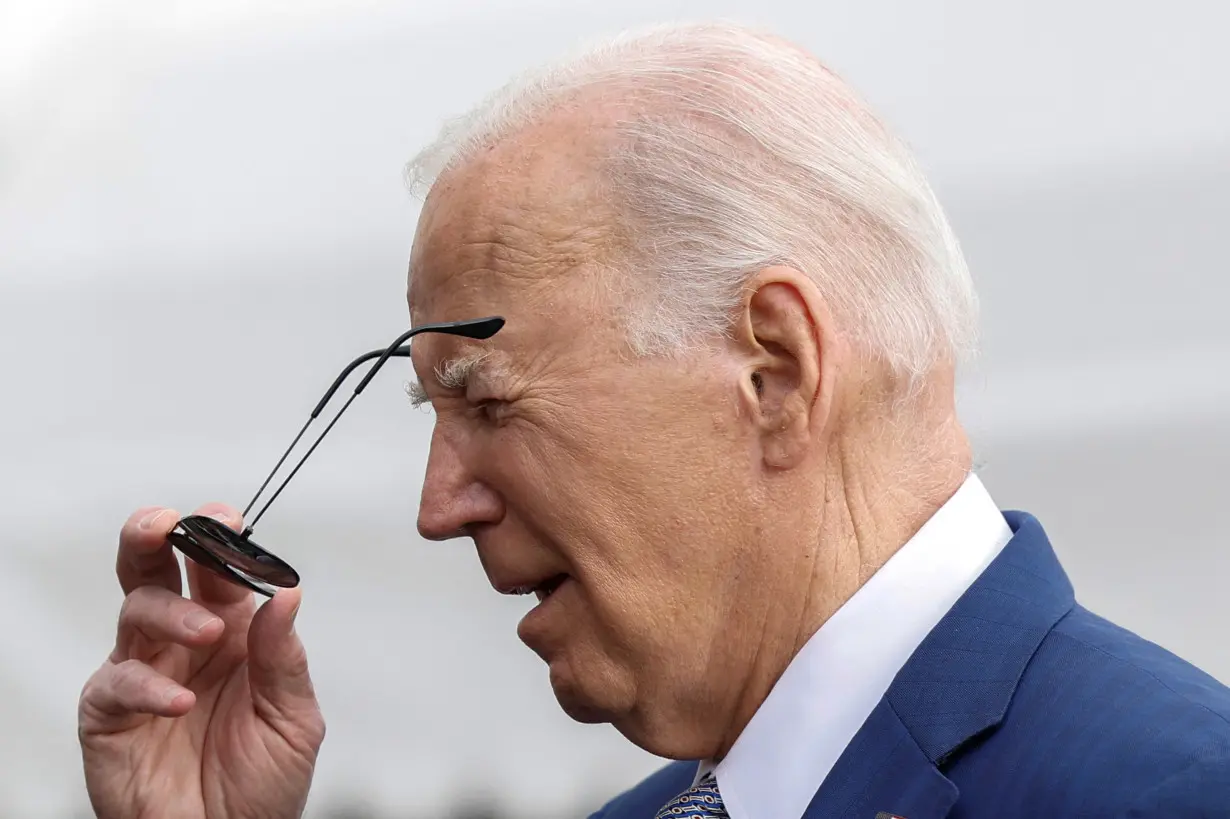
[578, 703]
[600, 698]
[590, 693]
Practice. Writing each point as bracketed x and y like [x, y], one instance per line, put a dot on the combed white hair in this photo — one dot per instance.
[733, 151]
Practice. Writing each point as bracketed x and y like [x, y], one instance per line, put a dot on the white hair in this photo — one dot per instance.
[739, 151]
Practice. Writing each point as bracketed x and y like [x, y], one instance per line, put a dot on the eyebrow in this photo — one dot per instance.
[452, 374]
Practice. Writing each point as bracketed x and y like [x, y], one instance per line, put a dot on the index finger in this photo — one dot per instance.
[145, 558]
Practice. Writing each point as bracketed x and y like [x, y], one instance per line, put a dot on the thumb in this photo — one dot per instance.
[277, 662]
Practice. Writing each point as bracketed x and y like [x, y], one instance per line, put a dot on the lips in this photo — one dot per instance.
[542, 588]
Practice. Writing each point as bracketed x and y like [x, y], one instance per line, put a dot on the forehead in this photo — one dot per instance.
[517, 218]
[522, 232]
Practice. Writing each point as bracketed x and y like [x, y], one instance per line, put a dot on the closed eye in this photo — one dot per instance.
[458, 377]
[492, 410]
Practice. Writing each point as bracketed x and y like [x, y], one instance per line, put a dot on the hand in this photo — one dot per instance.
[205, 707]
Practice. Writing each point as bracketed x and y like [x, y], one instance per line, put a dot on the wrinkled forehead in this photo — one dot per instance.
[517, 233]
[514, 217]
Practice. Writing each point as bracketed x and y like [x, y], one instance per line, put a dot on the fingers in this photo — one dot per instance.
[121, 695]
[282, 690]
[145, 558]
[203, 584]
[153, 616]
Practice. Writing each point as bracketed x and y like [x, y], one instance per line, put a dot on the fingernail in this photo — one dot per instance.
[221, 517]
[196, 621]
[153, 517]
[173, 693]
[295, 613]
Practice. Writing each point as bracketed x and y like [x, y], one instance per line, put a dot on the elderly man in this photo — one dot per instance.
[717, 440]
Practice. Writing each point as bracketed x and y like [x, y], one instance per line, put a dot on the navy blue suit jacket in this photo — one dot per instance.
[1021, 704]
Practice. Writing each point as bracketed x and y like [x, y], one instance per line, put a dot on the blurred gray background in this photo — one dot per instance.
[202, 219]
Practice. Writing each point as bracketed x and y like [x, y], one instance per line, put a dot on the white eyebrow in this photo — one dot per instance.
[452, 374]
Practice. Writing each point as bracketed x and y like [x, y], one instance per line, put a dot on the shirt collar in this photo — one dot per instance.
[839, 676]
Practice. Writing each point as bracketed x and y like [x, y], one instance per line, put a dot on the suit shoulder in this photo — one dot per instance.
[645, 799]
[1199, 790]
[1161, 684]
[1103, 723]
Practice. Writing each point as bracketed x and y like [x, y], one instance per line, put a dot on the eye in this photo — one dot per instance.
[490, 410]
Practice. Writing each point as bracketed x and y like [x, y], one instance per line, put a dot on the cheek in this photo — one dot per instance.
[560, 476]
[638, 510]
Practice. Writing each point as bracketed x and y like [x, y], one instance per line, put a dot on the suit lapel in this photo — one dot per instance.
[883, 770]
[962, 677]
[956, 686]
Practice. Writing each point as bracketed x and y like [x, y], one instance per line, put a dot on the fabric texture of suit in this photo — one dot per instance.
[1021, 704]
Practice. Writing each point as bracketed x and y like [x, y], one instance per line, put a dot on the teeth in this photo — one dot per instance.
[547, 588]
[539, 591]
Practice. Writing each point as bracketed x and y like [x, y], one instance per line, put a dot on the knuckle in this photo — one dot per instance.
[91, 712]
[308, 731]
[89, 692]
[316, 728]
[126, 605]
[296, 664]
[128, 674]
[130, 608]
[96, 695]
[142, 602]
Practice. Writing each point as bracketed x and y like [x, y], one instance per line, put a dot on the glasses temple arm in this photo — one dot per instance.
[329, 393]
[473, 328]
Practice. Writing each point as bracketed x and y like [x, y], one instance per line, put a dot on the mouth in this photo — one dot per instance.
[542, 590]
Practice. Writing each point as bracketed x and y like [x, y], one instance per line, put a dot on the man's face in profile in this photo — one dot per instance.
[617, 489]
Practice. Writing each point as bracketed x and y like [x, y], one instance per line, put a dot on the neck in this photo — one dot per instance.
[878, 489]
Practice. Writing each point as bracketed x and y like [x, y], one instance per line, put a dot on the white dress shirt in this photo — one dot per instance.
[839, 676]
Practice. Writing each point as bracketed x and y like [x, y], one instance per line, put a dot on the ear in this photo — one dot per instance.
[786, 340]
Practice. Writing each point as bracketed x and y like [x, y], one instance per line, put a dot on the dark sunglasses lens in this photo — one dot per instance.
[230, 548]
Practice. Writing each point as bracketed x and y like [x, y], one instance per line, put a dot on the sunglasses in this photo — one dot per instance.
[234, 556]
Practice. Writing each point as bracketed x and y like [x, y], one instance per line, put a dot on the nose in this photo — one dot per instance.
[453, 499]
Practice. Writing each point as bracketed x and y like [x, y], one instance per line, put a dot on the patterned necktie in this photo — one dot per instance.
[701, 802]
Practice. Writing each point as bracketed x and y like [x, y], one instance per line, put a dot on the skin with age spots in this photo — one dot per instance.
[710, 510]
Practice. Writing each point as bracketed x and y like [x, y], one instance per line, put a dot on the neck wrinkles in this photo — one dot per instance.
[876, 494]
